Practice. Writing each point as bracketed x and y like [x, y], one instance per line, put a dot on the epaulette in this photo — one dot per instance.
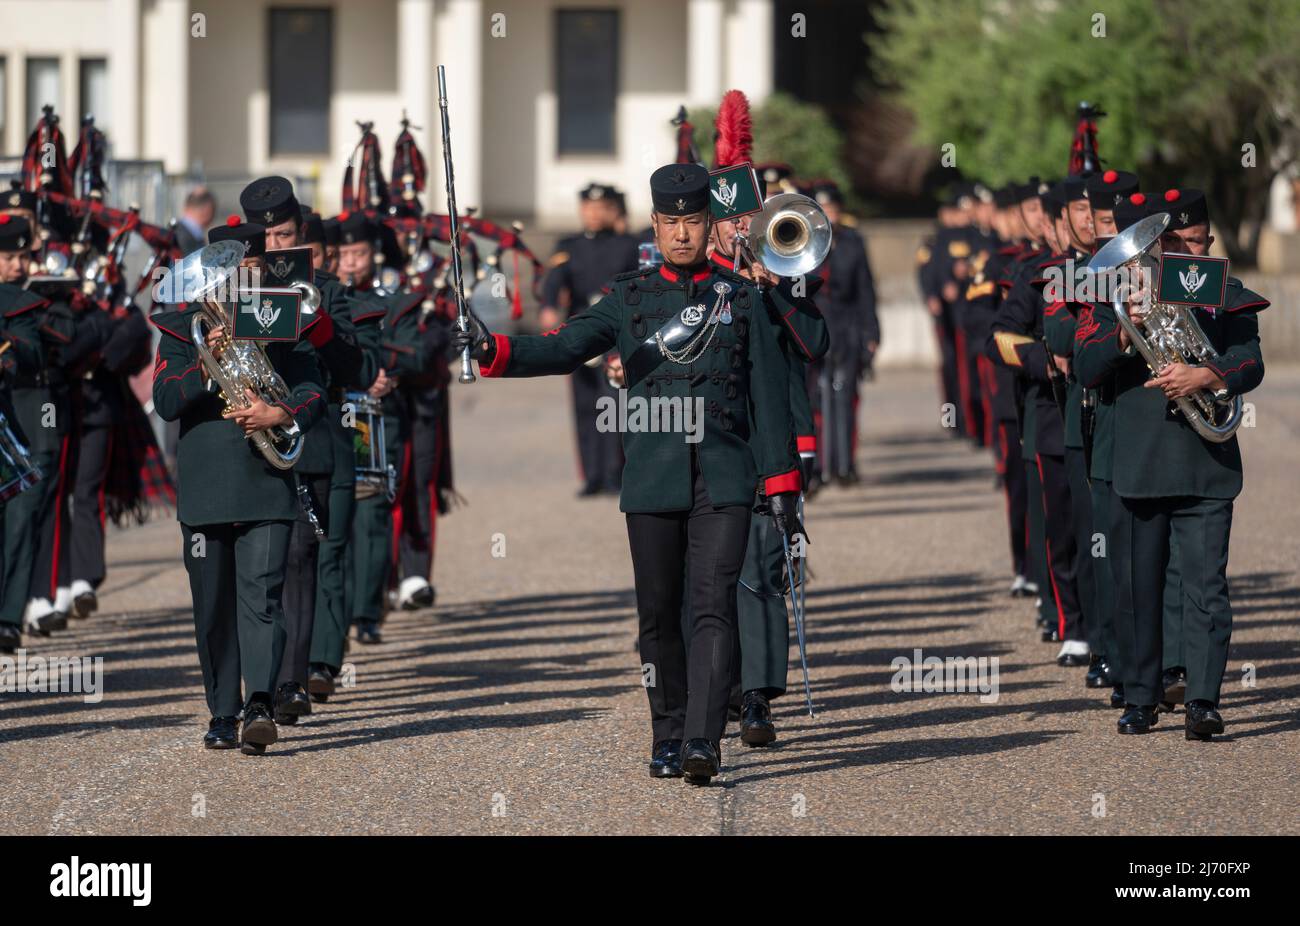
[1245, 298]
[978, 290]
[634, 274]
[958, 248]
[559, 257]
[26, 303]
[922, 254]
[731, 275]
[849, 221]
[173, 322]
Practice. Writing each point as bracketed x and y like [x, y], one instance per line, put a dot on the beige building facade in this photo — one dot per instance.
[544, 95]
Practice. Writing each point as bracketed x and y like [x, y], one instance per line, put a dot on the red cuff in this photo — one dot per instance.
[500, 360]
[786, 482]
[322, 331]
[806, 443]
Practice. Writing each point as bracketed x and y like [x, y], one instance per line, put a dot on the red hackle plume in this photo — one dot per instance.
[733, 131]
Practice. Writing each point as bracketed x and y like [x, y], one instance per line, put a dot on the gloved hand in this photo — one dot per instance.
[477, 338]
[785, 514]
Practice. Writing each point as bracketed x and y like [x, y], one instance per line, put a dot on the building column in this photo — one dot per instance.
[749, 49]
[458, 45]
[416, 81]
[706, 44]
[123, 37]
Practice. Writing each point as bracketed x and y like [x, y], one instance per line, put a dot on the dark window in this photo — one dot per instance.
[586, 79]
[301, 45]
[94, 94]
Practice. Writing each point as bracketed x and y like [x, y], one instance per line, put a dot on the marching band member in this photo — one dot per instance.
[687, 504]
[1171, 486]
[271, 202]
[236, 513]
[20, 320]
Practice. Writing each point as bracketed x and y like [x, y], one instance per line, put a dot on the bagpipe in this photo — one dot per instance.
[413, 248]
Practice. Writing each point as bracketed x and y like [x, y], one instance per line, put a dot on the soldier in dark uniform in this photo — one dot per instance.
[333, 604]
[582, 266]
[271, 202]
[1018, 343]
[1108, 668]
[402, 353]
[848, 304]
[236, 512]
[20, 319]
[43, 405]
[1171, 483]
[688, 503]
[762, 621]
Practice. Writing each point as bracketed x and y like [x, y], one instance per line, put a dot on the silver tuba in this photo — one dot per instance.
[790, 237]
[1167, 333]
[205, 277]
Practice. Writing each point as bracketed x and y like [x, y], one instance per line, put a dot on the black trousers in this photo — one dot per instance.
[688, 680]
[837, 390]
[1085, 564]
[1104, 576]
[86, 543]
[236, 582]
[763, 624]
[1058, 532]
[300, 579]
[415, 545]
[1142, 532]
[1015, 487]
[601, 454]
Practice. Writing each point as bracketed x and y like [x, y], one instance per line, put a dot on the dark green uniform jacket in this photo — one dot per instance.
[334, 337]
[1156, 453]
[20, 323]
[741, 377]
[221, 476]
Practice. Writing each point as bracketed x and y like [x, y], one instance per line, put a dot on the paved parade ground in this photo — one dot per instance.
[515, 705]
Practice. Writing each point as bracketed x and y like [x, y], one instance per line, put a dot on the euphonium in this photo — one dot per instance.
[1167, 333]
[201, 278]
[244, 365]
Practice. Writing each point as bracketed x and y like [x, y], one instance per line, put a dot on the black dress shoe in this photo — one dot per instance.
[223, 733]
[699, 761]
[1202, 720]
[291, 702]
[756, 728]
[1098, 672]
[11, 638]
[666, 759]
[259, 729]
[1138, 718]
[1175, 684]
[1051, 634]
[84, 605]
[368, 632]
[1117, 697]
[320, 682]
[590, 490]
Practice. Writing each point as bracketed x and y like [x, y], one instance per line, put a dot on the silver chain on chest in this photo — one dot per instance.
[699, 342]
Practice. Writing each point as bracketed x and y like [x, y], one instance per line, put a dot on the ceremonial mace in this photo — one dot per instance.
[453, 223]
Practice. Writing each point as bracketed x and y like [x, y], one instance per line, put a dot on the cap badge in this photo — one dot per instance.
[681, 203]
[269, 216]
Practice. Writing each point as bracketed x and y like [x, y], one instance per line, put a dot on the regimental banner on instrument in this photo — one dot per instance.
[733, 192]
[290, 265]
[1189, 280]
[267, 315]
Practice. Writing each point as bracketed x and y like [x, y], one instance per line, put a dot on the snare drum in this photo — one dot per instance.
[373, 474]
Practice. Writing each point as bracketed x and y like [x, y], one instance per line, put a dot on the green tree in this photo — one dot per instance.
[1187, 86]
[787, 130]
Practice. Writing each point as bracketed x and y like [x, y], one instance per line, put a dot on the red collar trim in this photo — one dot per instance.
[673, 277]
[719, 261]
